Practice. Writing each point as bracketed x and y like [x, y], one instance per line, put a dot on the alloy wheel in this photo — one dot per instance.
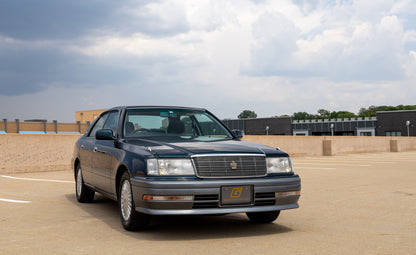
[126, 200]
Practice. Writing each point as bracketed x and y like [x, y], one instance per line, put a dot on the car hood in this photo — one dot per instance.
[189, 148]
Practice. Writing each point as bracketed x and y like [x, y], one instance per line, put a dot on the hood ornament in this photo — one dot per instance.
[233, 165]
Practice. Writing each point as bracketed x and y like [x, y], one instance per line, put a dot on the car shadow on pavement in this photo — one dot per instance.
[181, 227]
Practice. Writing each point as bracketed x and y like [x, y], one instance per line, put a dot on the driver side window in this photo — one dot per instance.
[111, 122]
[98, 125]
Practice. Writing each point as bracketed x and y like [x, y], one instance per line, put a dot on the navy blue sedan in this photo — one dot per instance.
[180, 161]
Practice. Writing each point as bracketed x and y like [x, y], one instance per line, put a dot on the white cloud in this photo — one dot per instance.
[357, 46]
[274, 44]
[410, 66]
[274, 57]
[136, 45]
[404, 6]
[160, 18]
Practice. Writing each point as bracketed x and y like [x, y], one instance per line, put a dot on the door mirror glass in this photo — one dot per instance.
[104, 134]
[237, 133]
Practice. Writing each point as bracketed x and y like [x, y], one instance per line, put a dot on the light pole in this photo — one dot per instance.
[332, 129]
[408, 125]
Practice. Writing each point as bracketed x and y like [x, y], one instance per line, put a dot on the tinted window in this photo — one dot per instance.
[180, 123]
[208, 126]
[111, 122]
[99, 124]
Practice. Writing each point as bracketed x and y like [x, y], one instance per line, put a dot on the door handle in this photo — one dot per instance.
[96, 150]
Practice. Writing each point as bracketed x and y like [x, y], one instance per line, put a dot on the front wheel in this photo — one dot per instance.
[84, 194]
[263, 217]
[130, 218]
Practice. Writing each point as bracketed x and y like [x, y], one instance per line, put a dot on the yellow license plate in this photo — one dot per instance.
[236, 195]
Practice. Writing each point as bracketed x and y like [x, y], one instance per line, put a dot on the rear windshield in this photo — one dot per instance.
[185, 124]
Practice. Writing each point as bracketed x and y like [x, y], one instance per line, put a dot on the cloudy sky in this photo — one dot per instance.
[273, 57]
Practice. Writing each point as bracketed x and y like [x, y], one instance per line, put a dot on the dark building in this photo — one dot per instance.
[269, 126]
[284, 126]
[262, 126]
[396, 123]
[392, 123]
[338, 127]
[235, 124]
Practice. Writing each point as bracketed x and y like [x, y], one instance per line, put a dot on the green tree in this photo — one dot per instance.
[370, 112]
[345, 114]
[324, 113]
[247, 114]
[341, 115]
[302, 116]
[386, 108]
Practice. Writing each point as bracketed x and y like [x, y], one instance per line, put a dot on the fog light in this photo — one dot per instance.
[168, 198]
[287, 194]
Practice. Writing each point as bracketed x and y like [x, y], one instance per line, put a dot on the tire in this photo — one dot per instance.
[130, 218]
[263, 217]
[83, 193]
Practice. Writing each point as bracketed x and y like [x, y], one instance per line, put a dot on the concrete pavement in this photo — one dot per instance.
[351, 204]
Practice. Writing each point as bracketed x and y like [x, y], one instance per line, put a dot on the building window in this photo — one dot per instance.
[393, 133]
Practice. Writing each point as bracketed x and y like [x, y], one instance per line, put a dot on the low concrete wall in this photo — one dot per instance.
[294, 145]
[36, 152]
[334, 145]
[360, 144]
[46, 152]
[406, 143]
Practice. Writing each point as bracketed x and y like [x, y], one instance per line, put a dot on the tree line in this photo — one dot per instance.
[326, 114]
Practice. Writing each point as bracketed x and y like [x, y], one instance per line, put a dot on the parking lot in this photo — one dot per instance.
[351, 204]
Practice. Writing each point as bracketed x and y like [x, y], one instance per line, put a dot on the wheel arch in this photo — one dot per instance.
[120, 171]
[75, 165]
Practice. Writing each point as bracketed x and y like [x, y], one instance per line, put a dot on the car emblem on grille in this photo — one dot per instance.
[233, 165]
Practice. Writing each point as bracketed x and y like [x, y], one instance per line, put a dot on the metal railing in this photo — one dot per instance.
[42, 127]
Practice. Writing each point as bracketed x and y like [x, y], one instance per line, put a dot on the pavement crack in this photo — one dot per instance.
[404, 193]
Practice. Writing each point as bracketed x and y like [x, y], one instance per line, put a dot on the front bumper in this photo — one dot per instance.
[268, 194]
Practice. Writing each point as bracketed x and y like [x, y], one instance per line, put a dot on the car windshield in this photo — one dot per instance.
[173, 123]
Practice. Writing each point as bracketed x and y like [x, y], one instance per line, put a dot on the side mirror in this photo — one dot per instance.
[237, 133]
[104, 134]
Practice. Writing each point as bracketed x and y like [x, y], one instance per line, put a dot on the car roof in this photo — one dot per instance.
[156, 107]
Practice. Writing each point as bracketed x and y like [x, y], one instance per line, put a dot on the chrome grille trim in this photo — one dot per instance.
[218, 165]
[228, 154]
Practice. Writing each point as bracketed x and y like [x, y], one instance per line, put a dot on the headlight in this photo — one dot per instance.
[279, 165]
[170, 167]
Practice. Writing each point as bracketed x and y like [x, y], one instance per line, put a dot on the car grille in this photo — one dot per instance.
[263, 199]
[206, 201]
[230, 166]
[213, 201]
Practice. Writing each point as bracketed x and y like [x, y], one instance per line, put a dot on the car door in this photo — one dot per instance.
[87, 154]
[105, 157]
